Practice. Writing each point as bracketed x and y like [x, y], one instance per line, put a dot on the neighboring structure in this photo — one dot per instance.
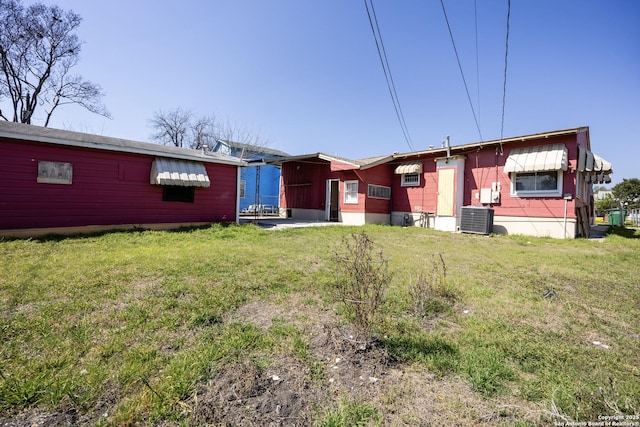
[320, 187]
[538, 184]
[60, 181]
[602, 194]
[259, 181]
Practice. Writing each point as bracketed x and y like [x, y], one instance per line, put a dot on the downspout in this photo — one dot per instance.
[238, 169]
[566, 201]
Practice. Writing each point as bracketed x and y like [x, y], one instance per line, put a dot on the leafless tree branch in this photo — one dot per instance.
[38, 47]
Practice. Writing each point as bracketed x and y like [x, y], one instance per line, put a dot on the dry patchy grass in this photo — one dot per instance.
[241, 326]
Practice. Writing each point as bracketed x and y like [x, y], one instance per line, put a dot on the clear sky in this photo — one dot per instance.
[305, 74]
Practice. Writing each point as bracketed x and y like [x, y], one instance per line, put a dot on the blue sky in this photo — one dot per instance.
[305, 74]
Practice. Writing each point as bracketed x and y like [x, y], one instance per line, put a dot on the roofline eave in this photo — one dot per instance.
[542, 135]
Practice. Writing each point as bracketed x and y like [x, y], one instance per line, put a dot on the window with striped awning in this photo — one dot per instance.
[409, 167]
[539, 158]
[180, 173]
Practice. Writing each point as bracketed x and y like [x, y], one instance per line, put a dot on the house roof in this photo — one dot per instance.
[257, 149]
[345, 164]
[338, 163]
[495, 142]
[77, 139]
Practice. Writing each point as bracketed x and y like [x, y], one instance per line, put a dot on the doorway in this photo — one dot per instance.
[446, 192]
[333, 200]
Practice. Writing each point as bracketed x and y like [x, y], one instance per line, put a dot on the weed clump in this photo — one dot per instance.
[362, 278]
[430, 293]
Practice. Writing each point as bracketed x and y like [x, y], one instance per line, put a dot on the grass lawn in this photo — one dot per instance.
[239, 325]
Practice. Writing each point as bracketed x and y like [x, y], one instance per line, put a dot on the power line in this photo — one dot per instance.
[506, 56]
[382, 54]
[393, 85]
[475, 16]
[460, 67]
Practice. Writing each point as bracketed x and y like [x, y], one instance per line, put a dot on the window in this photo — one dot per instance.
[534, 184]
[55, 173]
[175, 193]
[410, 179]
[243, 189]
[351, 192]
[379, 192]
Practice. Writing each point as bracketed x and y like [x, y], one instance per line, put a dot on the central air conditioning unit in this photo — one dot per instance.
[476, 219]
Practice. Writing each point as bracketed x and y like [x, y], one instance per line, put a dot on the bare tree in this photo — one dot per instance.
[181, 128]
[204, 132]
[229, 131]
[38, 49]
[171, 127]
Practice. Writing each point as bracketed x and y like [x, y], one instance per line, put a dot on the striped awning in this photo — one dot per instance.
[538, 158]
[601, 165]
[179, 172]
[409, 167]
[595, 168]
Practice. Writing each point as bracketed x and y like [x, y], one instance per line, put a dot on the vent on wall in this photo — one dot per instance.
[476, 219]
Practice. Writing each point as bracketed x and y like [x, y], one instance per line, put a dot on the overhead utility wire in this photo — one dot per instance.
[506, 56]
[460, 67]
[387, 72]
[393, 85]
[475, 15]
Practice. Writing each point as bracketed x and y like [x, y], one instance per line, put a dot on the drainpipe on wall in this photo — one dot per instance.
[565, 218]
[567, 197]
[238, 169]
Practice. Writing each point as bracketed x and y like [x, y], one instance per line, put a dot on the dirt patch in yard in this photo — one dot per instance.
[290, 390]
[288, 393]
[242, 394]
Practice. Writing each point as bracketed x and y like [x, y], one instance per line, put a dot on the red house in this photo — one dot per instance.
[538, 185]
[321, 187]
[56, 181]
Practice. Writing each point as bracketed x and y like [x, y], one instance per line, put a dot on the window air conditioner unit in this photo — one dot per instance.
[476, 219]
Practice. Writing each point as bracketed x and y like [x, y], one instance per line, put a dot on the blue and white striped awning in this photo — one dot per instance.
[183, 173]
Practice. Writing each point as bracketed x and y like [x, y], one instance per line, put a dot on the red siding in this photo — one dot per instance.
[108, 188]
[550, 207]
[378, 175]
[304, 186]
[422, 198]
[483, 166]
[362, 191]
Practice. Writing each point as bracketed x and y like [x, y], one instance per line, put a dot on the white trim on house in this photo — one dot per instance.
[557, 192]
[535, 226]
[406, 182]
[349, 198]
[361, 218]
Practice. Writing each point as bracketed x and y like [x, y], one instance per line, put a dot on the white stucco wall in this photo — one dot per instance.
[535, 226]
